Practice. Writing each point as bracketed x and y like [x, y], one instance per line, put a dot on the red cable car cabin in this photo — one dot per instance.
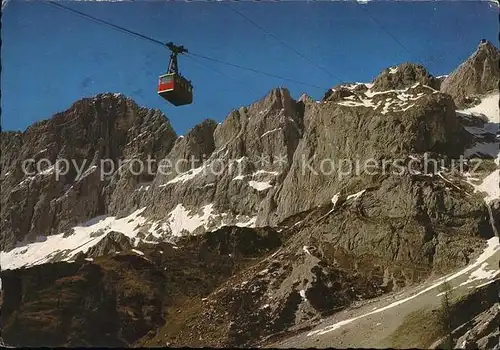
[175, 89]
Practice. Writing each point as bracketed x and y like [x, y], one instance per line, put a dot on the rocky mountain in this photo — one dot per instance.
[404, 75]
[51, 173]
[115, 231]
[478, 75]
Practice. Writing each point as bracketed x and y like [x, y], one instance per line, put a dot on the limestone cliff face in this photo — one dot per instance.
[479, 74]
[249, 155]
[347, 133]
[36, 202]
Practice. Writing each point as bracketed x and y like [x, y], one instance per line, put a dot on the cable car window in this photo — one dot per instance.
[166, 79]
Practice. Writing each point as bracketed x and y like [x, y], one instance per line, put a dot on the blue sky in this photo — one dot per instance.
[51, 57]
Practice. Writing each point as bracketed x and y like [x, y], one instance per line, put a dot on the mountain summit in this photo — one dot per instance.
[479, 74]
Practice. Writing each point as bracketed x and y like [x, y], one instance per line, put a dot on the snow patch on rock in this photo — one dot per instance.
[60, 248]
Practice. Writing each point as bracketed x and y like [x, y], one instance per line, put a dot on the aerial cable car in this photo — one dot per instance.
[172, 86]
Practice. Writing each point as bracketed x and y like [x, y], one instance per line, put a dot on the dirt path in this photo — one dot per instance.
[376, 323]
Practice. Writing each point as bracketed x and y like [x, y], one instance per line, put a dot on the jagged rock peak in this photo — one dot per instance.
[278, 98]
[305, 98]
[487, 45]
[199, 142]
[106, 127]
[200, 132]
[404, 76]
[479, 74]
[100, 108]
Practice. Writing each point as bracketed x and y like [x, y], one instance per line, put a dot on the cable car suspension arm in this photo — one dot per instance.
[173, 66]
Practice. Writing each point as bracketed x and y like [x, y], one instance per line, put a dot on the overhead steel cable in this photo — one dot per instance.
[282, 42]
[142, 36]
[257, 71]
[103, 22]
[220, 73]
